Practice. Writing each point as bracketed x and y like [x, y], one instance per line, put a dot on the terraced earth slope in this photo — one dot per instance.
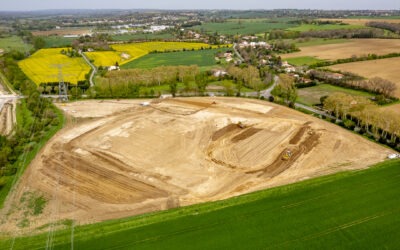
[118, 158]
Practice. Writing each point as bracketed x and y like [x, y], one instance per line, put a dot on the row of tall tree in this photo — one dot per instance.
[393, 27]
[345, 33]
[156, 76]
[382, 123]
[128, 83]
[374, 85]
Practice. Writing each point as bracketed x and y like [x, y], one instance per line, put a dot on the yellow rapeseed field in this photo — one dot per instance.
[104, 58]
[41, 67]
[125, 53]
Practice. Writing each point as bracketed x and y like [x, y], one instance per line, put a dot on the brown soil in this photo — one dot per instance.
[384, 68]
[61, 32]
[357, 47]
[246, 134]
[121, 159]
[225, 130]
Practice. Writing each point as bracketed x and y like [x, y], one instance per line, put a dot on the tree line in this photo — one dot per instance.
[354, 58]
[393, 27]
[38, 115]
[127, 83]
[363, 116]
[374, 85]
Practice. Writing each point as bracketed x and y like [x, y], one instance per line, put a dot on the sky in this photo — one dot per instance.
[198, 4]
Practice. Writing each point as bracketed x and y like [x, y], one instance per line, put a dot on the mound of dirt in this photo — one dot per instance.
[125, 159]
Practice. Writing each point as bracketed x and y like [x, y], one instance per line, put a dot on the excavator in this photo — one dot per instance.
[287, 155]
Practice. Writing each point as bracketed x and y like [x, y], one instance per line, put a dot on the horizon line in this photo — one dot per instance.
[188, 9]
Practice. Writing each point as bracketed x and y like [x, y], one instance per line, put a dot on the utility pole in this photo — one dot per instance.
[62, 86]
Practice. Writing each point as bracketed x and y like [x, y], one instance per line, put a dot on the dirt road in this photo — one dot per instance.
[118, 159]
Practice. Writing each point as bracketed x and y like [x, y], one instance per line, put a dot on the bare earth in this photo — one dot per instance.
[385, 68]
[356, 47]
[61, 32]
[129, 159]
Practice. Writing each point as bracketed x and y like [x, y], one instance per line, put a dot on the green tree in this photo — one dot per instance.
[173, 87]
[39, 43]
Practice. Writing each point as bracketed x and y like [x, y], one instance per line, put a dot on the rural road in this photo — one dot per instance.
[92, 66]
[315, 111]
[5, 91]
[267, 93]
[237, 53]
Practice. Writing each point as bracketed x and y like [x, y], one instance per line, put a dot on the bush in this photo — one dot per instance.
[349, 124]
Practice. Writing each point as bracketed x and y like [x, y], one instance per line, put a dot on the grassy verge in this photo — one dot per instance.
[5, 81]
[311, 96]
[24, 117]
[356, 209]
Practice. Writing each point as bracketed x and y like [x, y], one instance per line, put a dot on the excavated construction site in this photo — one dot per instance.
[119, 158]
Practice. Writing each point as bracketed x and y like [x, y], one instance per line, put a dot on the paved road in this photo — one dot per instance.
[237, 53]
[4, 98]
[315, 111]
[267, 93]
[92, 66]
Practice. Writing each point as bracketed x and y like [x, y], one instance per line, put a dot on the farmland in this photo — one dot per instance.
[384, 68]
[14, 43]
[335, 211]
[125, 53]
[361, 21]
[304, 60]
[244, 27]
[311, 96]
[309, 27]
[105, 58]
[107, 166]
[142, 36]
[319, 41]
[57, 41]
[41, 67]
[202, 58]
[355, 47]
[63, 32]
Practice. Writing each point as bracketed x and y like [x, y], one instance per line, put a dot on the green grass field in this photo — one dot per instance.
[349, 210]
[311, 96]
[57, 41]
[202, 58]
[243, 27]
[319, 41]
[142, 36]
[14, 43]
[309, 27]
[304, 60]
